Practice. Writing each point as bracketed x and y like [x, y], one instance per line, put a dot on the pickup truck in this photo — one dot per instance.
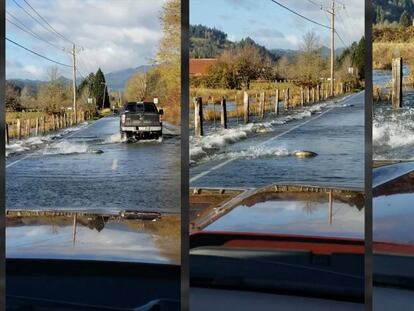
[141, 120]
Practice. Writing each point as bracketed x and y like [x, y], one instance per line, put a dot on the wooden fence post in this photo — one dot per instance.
[262, 105]
[277, 102]
[6, 132]
[223, 113]
[27, 130]
[318, 92]
[302, 96]
[237, 110]
[307, 95]
[198, 118]
[65, 123]
[43, 125]
[313, 95]
[246, 106]
[37, 126]
[287, 99]
[397, 82]
[53, 123]
[19, 130]
[214, 112]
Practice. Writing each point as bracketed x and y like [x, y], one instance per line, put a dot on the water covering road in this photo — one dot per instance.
[393, 129]
[91, 168]
[261, 153]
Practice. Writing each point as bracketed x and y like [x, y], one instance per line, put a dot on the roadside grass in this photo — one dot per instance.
[214, 95]
[384, 52]
[33, 123]
[12, 116]
[104, 112]
[392, 33]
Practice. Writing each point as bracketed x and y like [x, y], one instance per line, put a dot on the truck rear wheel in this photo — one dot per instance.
[125, 136]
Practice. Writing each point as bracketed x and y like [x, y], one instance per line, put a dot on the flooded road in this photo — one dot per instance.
[262, 152]
[90, 167]
[393, 129]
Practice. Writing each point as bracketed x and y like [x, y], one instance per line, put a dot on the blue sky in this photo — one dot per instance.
[114, 35]
[274, 26]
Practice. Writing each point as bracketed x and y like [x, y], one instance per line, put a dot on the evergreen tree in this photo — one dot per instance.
[97, 91]
[405, 19]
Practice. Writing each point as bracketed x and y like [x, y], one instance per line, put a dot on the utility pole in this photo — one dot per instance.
[73, 52]
[75, 108]
[331, 12]
[332, 48]
[104, 93]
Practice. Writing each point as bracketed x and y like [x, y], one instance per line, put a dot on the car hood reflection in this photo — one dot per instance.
[296, 214]
[94, 238]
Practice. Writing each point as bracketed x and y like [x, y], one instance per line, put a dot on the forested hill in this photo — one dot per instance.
[399, 11]
[208, 42]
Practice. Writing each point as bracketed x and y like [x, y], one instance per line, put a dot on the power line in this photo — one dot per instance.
[340, 38]
[315, 3]
[29, 50]
[34, 18]
[80, 73]
[43, 19]
[300, 15]
[28, 31]
[84, 64]
[344, 28]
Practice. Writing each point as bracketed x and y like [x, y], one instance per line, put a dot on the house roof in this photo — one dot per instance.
[200, 66]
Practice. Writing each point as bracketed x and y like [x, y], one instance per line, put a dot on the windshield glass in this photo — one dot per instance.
[140, 107]
[93, 236]
[316, 212]
[393, 212]
[71, 154]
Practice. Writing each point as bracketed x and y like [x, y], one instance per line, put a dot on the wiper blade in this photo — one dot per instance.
[387, 173]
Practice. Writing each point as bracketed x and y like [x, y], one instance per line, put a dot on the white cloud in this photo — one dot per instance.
[293, 40]
[33, 70]
[114, 34]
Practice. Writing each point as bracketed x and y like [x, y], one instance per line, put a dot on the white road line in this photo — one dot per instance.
[265, 142]
[17, 161]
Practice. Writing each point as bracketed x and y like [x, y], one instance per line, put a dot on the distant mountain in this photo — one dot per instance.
[326, 52]
[290, 54]
[116, 80]
[33, 85]
[206, 42]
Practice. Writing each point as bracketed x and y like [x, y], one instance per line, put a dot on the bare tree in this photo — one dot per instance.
[53, 96]
[310, 42]
[309, 63]
[136, 87]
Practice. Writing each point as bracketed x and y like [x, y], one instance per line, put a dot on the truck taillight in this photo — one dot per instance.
[123, 119]
[160, 117]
